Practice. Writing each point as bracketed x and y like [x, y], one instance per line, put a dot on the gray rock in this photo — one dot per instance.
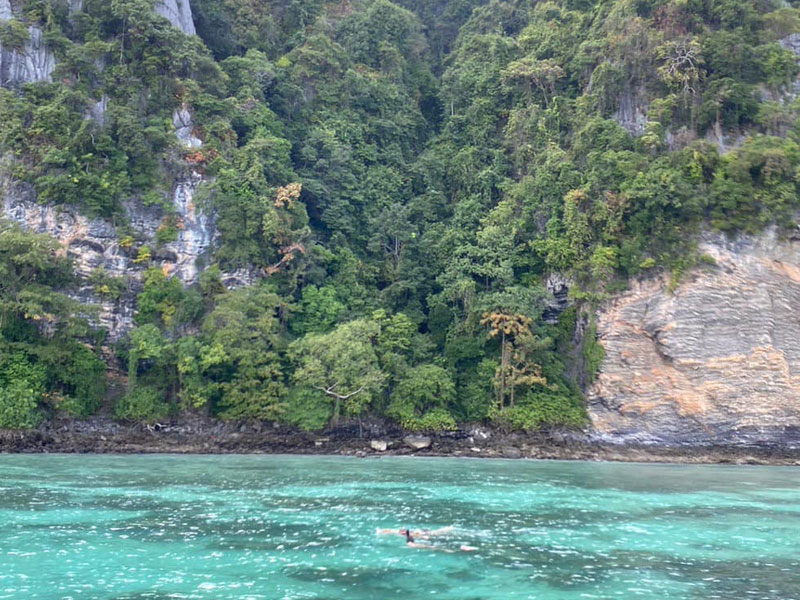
[97, 112]
[792, 43]
[195, 231]
[177, 12]
[239, 278]
[95, 244]
[511, 452]
[378, 445]
[558, 286]
[632, 112]
[480, 434]
[417, 442]
[724, 141]
[717, 360]
[34, 62]
[182, 121]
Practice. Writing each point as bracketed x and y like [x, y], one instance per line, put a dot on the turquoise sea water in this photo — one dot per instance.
[280, 527]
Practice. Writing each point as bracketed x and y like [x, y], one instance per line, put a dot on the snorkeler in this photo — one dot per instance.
[410, 543]
[423, 534]
[413, 544]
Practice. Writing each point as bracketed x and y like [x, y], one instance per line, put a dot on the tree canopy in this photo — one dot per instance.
[402, 178]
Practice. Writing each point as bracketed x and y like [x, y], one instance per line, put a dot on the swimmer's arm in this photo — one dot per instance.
[462, 548]
[420, 534]
[428, 547]
[425, 534]
[442, 530]
[387, 532]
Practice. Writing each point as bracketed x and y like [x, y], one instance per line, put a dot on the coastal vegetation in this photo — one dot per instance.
[404, 178]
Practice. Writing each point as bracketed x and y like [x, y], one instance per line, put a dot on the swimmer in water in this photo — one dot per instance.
[422, 534]
[411, 543]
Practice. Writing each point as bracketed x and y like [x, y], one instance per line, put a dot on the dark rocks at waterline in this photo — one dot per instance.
[210, 437]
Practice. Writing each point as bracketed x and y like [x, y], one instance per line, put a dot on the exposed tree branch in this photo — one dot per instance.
[329, 391]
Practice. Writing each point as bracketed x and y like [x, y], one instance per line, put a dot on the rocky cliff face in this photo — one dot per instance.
[179, 13]
[96, 243]
[33, 62]
[631, 113]
[91, 243]
[715, 361]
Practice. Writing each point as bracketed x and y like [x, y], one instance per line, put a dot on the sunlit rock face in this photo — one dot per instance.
[178, 12]
[33, 62]
[715, 361]
[184, 128]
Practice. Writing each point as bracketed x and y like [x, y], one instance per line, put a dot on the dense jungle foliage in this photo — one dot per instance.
[404, 177]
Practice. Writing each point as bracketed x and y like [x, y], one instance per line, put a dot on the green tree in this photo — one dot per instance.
[422, 397]
[319, 310]
[21, 391]
[29, 271]
[241, 354]
[342, 364]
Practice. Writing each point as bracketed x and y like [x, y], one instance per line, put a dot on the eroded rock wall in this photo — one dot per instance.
[179, 13]
[30, 63]
[631, 113]
[715, 361]
[95, 243]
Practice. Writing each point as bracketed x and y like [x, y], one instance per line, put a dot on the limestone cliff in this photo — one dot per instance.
[715, 361]
[179, 13]
[32, 62]
[631, 113]
[95, 243]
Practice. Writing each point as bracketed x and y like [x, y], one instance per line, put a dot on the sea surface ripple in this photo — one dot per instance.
[279, 527]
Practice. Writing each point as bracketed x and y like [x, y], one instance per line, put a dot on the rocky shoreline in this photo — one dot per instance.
[101, 436]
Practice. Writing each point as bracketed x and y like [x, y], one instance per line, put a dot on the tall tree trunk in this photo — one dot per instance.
[503, 366]
[513, 386]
